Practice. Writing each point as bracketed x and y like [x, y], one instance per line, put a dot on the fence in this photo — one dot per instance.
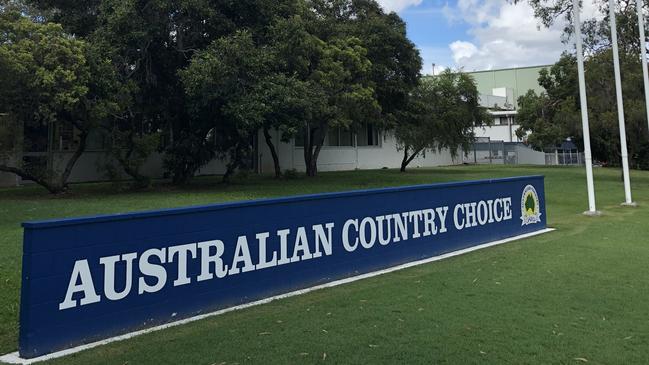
[564, 158]
[487, 151]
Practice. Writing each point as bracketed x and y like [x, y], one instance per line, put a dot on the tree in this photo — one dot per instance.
[49, 78]
[600, 86]
[216, 81]
[326, 64]
[277, 102]
[382, 84]
[441, 114]
[149, 42]
[341, 95]
[553, 116]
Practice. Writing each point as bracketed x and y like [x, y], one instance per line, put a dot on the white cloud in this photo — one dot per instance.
[505, 35]
[398, 5]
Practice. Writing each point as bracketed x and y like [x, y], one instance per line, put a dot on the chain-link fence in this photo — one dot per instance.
[564, 158]
[487, 151]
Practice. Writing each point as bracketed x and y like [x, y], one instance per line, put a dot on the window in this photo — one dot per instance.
[368, 136]
[346, 138]
[333, 137]
[504, 120]
[64, 137]
[336, 137]
[339, 137]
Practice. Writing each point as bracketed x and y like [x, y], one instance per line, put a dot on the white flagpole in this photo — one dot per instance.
[584, 111]
[643, 52]
[620, 106]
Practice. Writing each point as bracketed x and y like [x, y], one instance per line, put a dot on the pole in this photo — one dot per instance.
[592, 210]
[620, 105]
[643, 52]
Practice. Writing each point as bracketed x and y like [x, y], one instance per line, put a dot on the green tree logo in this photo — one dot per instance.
[530, 204]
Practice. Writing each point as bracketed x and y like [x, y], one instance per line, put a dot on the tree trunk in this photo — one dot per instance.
[28, 176]
[408, 159]
[312, 149]
[184, 175]
[404, 161]
[55, 185]
[229, 171]
[314, 160]
[308, 139]
[235, 161]
[273, 152]
[141, 181]
[63, 182]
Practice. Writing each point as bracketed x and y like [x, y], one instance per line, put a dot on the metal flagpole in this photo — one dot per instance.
[643, 52]
[584, 111]
[620, 106]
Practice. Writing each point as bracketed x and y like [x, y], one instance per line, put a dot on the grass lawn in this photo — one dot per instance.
[577, 295]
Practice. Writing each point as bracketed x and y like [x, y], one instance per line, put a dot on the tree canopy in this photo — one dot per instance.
[197, 80]
[553, 116]
[442, 112]
[48, 77]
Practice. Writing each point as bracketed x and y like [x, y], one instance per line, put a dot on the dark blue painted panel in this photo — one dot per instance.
[65, 261]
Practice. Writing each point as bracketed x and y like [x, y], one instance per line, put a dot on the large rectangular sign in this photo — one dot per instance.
[87, 279]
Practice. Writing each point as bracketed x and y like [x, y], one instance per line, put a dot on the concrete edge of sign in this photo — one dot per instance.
[14, 357]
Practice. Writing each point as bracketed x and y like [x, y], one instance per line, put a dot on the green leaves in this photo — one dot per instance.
[208, 75]
[43, 71]
[52, 81]
[553, 116]
[441, 113]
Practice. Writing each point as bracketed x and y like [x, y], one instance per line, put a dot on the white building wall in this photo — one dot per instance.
[90, 166]
[349, 158]
[498, 132]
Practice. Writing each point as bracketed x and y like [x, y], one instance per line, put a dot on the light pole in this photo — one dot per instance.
[592, 210]
[643, 52]
[620, 107]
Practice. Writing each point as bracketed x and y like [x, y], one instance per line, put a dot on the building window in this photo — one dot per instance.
[368, 136]
[336, 137]
[339, 137]
[501, 120]
[64, 138]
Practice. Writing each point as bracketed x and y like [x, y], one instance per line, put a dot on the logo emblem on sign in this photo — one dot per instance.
[530, 207]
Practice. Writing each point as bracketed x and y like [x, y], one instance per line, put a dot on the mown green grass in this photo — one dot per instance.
[578, 294]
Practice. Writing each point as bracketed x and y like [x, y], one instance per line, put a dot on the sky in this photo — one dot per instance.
[480, 34]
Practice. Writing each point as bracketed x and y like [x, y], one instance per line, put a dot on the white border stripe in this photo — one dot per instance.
[14, 358]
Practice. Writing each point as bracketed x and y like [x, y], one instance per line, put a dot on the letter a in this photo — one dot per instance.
[80, 270]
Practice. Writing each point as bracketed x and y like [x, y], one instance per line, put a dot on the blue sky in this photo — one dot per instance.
[480, 34]
[432, 32]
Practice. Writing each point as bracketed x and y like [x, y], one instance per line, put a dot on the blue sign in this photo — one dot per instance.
[87, 279]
